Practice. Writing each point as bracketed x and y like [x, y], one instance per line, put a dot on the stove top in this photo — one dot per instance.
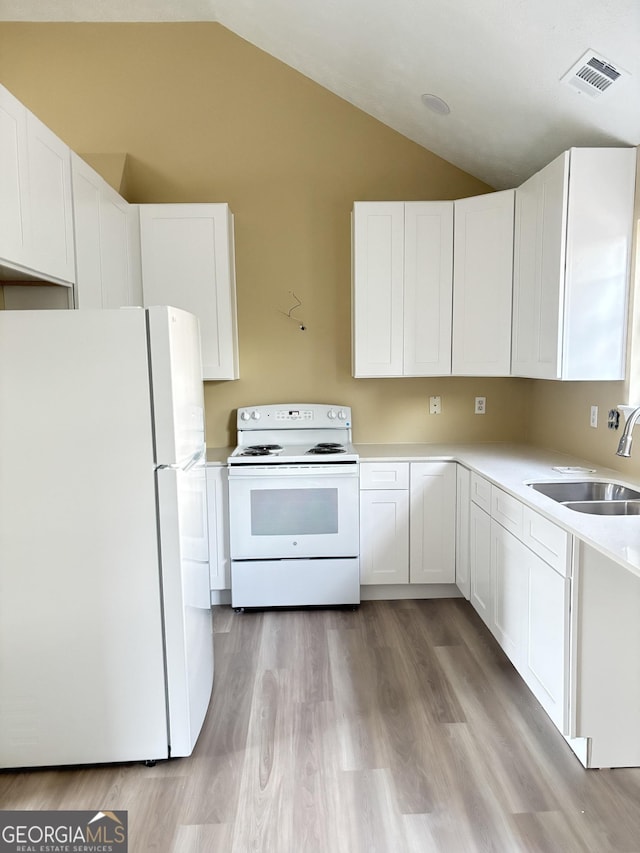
[294, 434]
[293, 453]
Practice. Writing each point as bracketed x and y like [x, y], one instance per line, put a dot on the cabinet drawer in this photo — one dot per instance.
[547, 540]
[384, 475]
[507, 511]
[481, 492]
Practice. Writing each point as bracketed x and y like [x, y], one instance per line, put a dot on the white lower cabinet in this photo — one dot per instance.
[463, 492]
[218, 524]
[384, 522]
[384, 534]
[521, 588]
[432, 520]
[509, 582]
[545, 666]
[480, 562]
[606, 684]
[407, 522]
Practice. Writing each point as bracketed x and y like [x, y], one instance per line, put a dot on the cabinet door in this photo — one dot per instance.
[482, 284]
[428, 280]
[107, 263]
[218, 525]
[607, 675]
[539, 258]
[546, 665]
[117, 265]
[480, 563]
[378, 282]
[463, 499]
[86, 209]
[188, 262]
[13, 179]
[599, 236]
[51, 249]
[384, 536]
[509, 561]
[432, 522]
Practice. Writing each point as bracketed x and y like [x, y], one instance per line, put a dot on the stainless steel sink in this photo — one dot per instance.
[605, 507]
[586, 491]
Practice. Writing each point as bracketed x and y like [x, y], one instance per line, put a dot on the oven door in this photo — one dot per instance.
[282, 511]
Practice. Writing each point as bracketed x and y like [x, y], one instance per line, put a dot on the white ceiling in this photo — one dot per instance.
[497, 63]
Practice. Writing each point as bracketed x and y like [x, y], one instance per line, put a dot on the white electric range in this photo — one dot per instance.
[294, 507]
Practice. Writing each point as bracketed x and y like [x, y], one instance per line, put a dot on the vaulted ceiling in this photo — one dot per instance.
[498, 65]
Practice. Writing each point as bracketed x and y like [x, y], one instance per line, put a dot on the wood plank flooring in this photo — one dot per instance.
[397, 727]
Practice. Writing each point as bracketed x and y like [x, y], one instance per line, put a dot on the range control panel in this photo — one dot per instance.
[300, 416]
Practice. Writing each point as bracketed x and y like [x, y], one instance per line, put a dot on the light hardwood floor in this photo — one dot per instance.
[397, 727]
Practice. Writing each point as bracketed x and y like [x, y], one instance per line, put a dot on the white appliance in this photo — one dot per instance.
[294, 507]
[106, 647]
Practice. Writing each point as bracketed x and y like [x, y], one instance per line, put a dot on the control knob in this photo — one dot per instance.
[244, 416]
[342, 415]
[255, 415]
[331, 414]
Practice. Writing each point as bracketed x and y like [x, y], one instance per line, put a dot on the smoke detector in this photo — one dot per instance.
[593, 75]
[436, 104]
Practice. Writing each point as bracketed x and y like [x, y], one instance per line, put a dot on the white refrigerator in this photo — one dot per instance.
[106, 645]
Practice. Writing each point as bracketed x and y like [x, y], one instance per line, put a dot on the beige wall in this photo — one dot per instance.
[205, 116]
[559, 419]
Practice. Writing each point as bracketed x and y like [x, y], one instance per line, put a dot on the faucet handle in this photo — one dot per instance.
[631, 415]
[626, 410]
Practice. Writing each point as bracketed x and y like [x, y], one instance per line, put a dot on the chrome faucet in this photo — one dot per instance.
[624, 445]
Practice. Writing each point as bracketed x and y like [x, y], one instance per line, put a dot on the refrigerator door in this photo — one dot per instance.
[178, 408]
[82, 676]
[176, 377]
[186, 601]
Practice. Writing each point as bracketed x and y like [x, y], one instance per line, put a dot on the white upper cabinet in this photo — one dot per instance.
[573, 228]
[482, 284]
[51, 209]
[428, 253]
[107, 239]
[13, 179]
[188, 262]
[402, 278]
[36, 233]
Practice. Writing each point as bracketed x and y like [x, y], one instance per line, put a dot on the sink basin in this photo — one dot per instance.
[606, 507]
[587, 491]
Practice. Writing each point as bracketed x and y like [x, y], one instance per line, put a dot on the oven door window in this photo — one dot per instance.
[294, 512]
[275, 516]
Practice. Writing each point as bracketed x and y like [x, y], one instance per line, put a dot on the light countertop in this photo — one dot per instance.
[509, 467]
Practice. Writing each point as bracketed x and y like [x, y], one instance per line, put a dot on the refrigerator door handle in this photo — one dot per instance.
[194, 460]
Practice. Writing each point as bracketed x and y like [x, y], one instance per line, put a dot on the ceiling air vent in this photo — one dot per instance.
[592, 75]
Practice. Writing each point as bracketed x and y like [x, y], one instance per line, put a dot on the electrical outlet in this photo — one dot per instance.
[481, 405]
[435, 405]
[593, 420]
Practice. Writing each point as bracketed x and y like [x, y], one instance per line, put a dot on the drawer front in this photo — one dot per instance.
[481, 492]
[547, 540]
[507, 511]
[384, 475]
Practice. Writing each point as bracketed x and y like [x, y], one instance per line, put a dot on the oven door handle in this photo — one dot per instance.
[291, 472]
